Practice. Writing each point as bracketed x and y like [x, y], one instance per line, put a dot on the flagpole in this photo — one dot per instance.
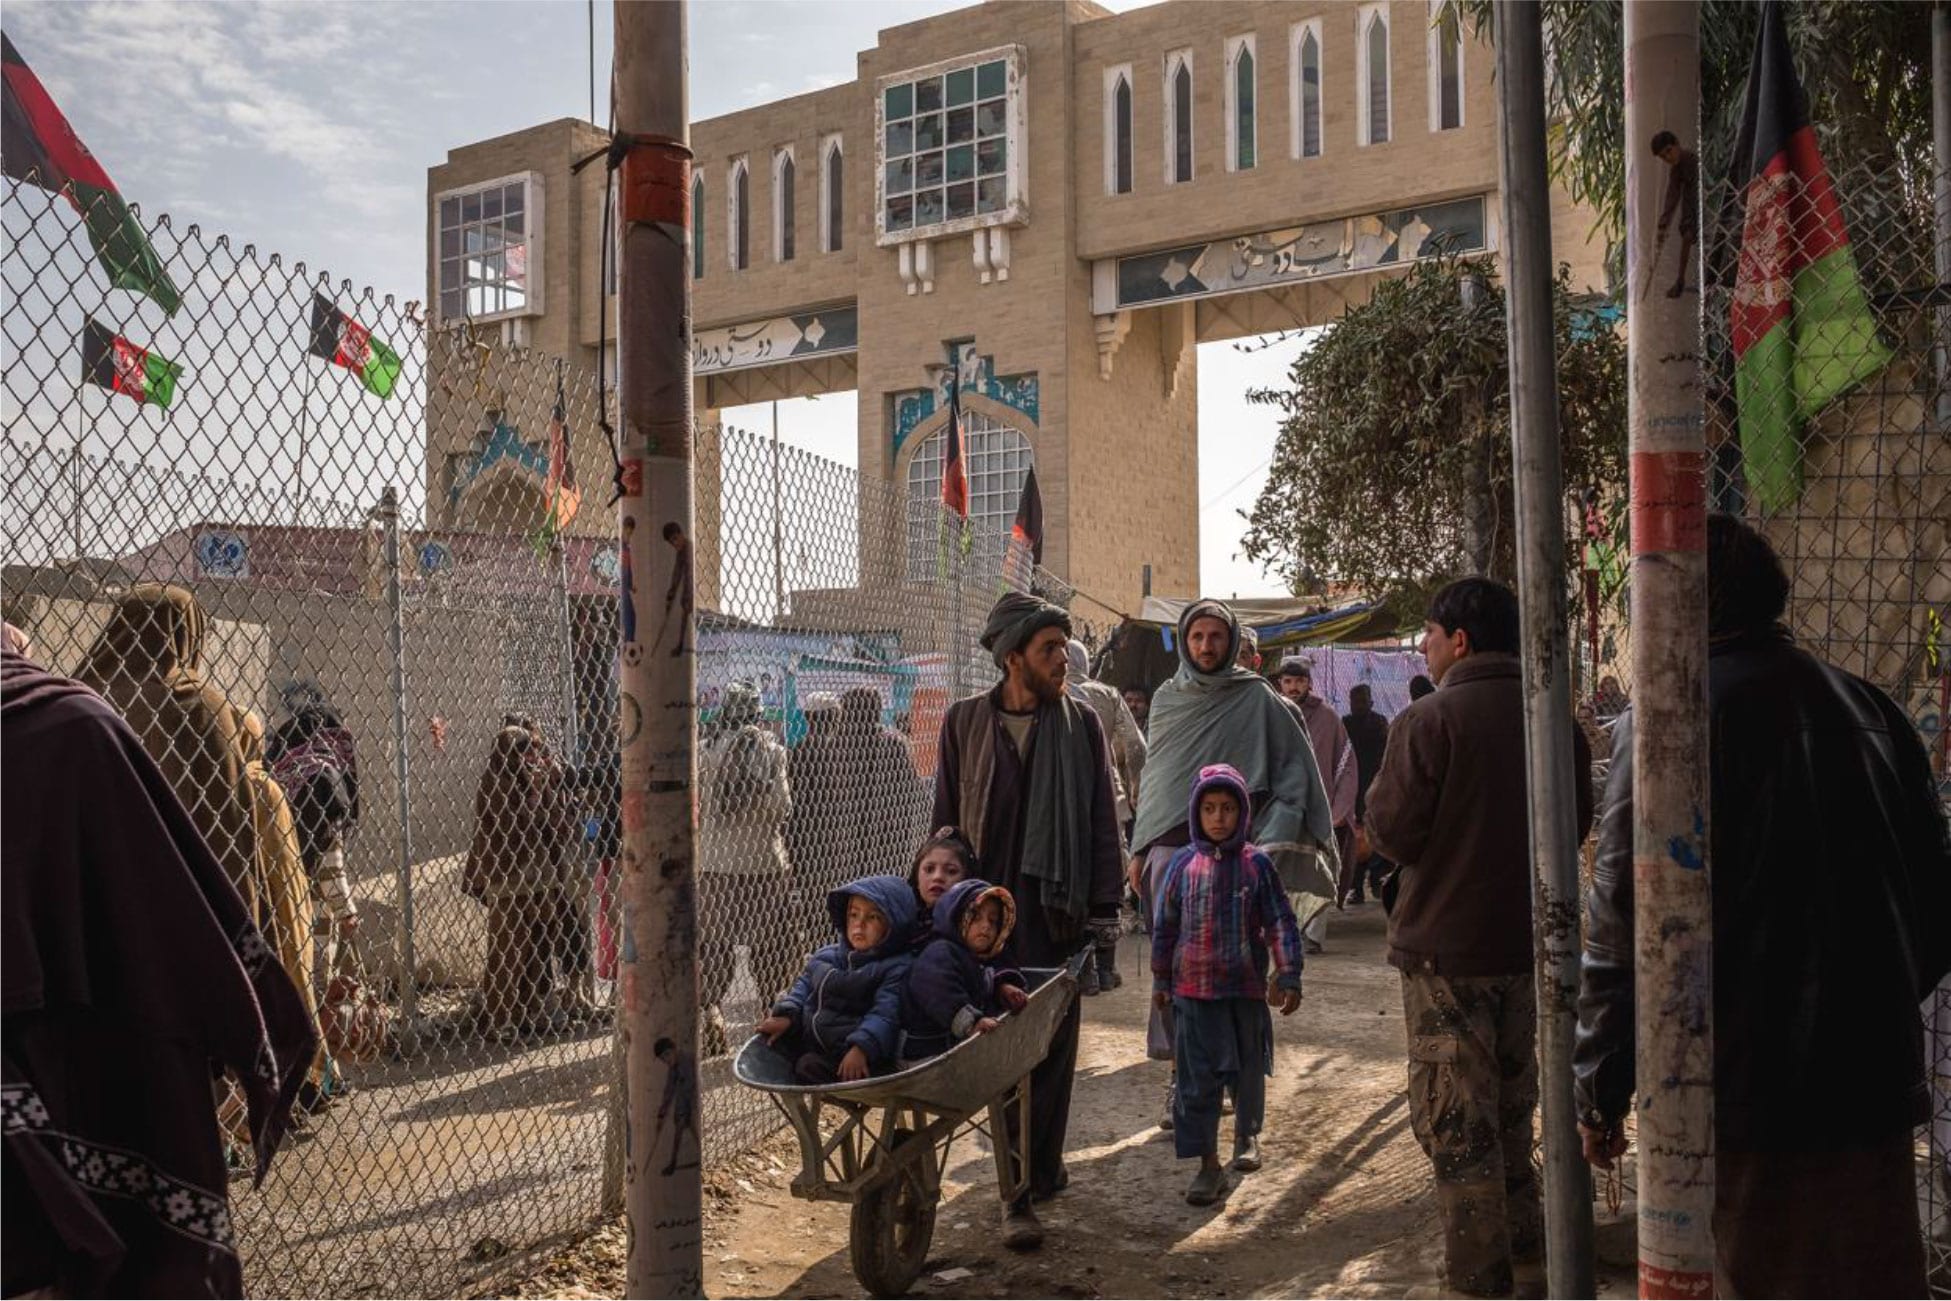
[298, 471]
[81, 413]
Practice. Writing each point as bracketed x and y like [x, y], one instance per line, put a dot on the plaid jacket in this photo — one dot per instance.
[1216, 920]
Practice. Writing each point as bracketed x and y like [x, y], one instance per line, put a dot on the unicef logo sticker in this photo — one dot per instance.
[223, 555]
[434, 557]
[605, 565]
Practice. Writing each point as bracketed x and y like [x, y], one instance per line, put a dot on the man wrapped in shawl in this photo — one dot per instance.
[1026, 772]
[1213, 711]
[147, 663]
[284, 893]
[131, 971]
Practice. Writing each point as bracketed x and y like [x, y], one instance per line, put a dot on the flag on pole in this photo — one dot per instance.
[563, 497]
[955, 479]
[39, 147]
[111, 361]
[344, 342]
[1801, 326]
[1025, 536]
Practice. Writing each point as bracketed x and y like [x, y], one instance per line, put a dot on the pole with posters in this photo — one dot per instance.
[1673, 909]
[657, 709]
[1549, 753]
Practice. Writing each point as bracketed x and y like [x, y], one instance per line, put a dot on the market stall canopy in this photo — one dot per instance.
[1144, 651]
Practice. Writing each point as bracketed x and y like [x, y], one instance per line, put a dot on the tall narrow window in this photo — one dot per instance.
[1241, 132]
[785, 205]
[833, 209]
[1374, 69]
[1121, 136]
[697, 229]
[740, 211]
[1446, 68]
[1178, 120]
[1310, 114]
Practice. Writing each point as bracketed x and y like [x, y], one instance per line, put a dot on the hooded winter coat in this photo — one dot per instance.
[952, 986]
[852, 999]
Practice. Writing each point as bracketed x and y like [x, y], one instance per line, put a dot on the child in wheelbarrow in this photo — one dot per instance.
[841, 1020]
[960, 984]
[1220, 911]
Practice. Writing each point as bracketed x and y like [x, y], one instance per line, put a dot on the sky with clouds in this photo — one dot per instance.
[308, 128]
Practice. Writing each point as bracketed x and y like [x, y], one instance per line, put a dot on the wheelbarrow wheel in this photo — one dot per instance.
[893, 1225]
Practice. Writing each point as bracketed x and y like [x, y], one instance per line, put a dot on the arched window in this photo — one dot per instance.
[784, 205]
[697, 228]
[1178, 121]
[1241, 128]
[996, 459]
[1446, 68]
[833, 201]
[739, 212]
[1309, 112]
[1375, 75]
[1121, 179]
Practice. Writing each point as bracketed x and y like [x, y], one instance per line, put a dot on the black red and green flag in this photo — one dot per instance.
[563, 496]
[127, 368]
[344, 342]
[955, 477]
[1025, 537]
[1801, 325]
[38, 146]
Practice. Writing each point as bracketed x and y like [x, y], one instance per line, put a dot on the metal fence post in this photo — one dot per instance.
[1549, 753]
[663, 1190]
[1673, 909]
[406, 1034]
[1941, 194]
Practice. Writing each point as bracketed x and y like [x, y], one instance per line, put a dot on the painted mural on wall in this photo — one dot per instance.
[975, 373]
[504, 443]
[776, 339]
[1315, 251]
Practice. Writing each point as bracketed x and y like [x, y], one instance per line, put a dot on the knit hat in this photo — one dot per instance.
[1296, 666]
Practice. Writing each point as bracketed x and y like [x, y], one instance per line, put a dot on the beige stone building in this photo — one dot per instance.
[1048, 202]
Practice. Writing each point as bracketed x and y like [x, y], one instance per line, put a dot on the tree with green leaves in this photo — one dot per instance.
[1392, 472]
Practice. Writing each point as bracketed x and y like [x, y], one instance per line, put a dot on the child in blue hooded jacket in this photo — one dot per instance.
[841, 1020]
[1220, 911]
[960, 984]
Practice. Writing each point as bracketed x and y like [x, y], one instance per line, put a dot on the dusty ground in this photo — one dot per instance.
[1342, 1208]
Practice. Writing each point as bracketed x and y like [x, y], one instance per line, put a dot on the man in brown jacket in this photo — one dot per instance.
[1449, 805]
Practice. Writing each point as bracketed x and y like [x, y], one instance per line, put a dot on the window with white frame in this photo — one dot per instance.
[1445, 66]
[1117, 130]
[484, 237]
[1304, 96]
[1242, 96]
[1178, 117]
[996, 458]
[738, 214]
[833, 192]
[1372, 115]
[950, 147]
[784, 203]
[697, 228]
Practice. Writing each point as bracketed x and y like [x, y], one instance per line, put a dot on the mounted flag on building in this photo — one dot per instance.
[38, 146]
[119, 366]
[955, 477]
[1025, 536]
[563, 497]
[1801, 326]
[344, 342]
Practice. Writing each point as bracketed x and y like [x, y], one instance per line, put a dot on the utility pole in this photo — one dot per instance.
[1941, 192]
[658, 725]
[1550, 758]
[778, 531]
[1673, 908]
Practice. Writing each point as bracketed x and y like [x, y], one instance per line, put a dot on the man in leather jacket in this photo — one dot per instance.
[1831, 888]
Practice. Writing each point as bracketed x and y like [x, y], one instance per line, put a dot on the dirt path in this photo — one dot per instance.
[1341, 1209]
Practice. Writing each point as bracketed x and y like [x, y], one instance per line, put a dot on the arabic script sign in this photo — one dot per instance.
[776, 339]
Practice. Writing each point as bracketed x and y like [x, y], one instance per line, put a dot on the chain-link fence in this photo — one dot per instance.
[330, 565]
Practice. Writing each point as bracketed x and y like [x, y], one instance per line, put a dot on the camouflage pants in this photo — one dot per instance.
[1473, 1084]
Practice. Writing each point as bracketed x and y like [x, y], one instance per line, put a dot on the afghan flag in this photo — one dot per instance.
[344, 342]
[119, 366]
[955, 478]
[39, 147]
[1801, 326]
[1025, 536]
[562, 494]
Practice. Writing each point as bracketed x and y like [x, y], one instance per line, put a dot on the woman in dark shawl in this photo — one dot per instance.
[148, 664]
[132, 972]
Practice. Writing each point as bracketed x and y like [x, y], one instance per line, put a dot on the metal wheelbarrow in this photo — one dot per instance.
[889, 1147]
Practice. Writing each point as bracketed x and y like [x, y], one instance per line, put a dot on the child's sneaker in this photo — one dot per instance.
[1207, 1186]
[1246, 1155]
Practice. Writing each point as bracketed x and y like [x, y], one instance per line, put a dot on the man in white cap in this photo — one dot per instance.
[1336, 756]
[1127, 764]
